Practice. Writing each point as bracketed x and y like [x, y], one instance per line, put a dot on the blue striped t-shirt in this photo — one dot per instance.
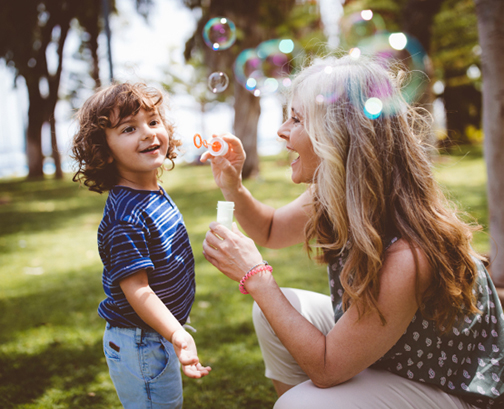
[143, 229]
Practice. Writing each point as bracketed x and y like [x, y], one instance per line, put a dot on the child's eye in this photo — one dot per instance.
[154, 122]
[128, 129]
[295, 120]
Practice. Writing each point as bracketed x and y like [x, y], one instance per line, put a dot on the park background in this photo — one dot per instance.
[50, 343]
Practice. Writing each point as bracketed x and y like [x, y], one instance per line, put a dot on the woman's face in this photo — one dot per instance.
[294, 133]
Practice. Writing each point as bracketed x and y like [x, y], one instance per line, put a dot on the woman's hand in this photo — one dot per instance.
[227, 169]
[230, 251]
[185, 348]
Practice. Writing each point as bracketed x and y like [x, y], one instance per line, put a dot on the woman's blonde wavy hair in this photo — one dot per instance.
[375, 180]
[90, 148]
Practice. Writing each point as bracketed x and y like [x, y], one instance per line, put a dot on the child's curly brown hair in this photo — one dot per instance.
[90, 148]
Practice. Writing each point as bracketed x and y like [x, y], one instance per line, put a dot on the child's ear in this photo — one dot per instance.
[110, 159]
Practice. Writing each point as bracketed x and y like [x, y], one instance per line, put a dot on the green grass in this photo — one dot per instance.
[50, 342]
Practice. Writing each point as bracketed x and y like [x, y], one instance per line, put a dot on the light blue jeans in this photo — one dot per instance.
[144, 368]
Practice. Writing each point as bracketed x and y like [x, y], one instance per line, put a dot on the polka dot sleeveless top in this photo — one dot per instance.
[467, 361]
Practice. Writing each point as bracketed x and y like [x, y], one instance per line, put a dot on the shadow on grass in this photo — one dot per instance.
[26, 377]
[53, 339]
[70, 301]
[45, 205]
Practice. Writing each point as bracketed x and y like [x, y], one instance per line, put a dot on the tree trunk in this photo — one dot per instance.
[463, 105]
[418, 17]
[95, 69]
[36, 118]
[247, 111]
[54, 83]
[490, 15]
[55, 151]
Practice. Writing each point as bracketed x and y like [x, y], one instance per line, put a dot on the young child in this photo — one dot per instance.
[148, 265]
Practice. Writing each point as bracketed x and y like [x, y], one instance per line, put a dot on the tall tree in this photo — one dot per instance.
[256, 21]
[29, 30]
[491, 33]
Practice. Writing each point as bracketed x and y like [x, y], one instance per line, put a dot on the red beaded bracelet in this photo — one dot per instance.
[251, 272]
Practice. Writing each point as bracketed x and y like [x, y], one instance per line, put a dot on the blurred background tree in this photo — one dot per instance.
[447, 32]
[32, 37]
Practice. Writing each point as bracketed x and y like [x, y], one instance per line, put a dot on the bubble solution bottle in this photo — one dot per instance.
[225, 213]
[216, 146]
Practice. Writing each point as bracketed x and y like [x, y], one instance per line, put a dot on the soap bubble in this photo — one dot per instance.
[360, 25]
[219, 33]
[366, 14]
[267, 68]
[373, 108]
[412, 57]
[218, 82]
[398, 41]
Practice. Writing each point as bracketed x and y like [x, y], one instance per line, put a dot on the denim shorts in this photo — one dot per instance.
[144, 368]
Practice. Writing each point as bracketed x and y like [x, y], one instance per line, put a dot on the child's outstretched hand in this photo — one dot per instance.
[185, 348]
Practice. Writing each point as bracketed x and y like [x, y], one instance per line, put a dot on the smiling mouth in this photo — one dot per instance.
[292, 152]
[150, 149]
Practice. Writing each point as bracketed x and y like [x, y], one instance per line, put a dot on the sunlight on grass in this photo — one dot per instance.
[50, 343]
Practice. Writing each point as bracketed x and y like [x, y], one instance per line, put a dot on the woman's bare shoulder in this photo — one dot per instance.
[400, 259]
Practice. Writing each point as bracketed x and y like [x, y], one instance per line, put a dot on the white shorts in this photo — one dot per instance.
[370, 389]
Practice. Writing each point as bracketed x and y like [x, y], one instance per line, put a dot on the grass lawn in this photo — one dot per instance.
[50, 343]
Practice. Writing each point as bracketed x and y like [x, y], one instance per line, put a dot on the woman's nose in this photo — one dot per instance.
[283, 131]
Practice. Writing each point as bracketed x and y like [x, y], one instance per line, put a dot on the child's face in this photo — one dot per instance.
[139, 144]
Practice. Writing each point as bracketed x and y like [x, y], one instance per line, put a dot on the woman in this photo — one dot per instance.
[413, 319]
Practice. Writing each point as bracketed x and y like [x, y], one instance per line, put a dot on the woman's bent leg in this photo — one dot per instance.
[372, 388]
[280, 365]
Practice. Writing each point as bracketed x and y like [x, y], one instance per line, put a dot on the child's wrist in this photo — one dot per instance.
[173, 333]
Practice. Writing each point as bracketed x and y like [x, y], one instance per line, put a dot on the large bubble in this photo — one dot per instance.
[219, 33]
[267, 68]
[404, 50]
[358, 26]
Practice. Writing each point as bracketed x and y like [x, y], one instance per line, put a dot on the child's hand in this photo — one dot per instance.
[185, 348]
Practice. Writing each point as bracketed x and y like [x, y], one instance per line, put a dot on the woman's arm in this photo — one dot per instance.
[153, 312]
[353, 344]
[268, 227]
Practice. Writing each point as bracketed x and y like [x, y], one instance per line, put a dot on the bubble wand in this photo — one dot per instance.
[216, 146]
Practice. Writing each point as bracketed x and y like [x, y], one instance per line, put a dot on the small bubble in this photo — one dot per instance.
[473, 72]
[366, 15]
[355, 53]
[270, 85]
[373, 108]
[251, 84]
[438, 87]
[286, 46]
[218, 82]
[219, 33]
[328, 69]
[319, 99]
[398, 41]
